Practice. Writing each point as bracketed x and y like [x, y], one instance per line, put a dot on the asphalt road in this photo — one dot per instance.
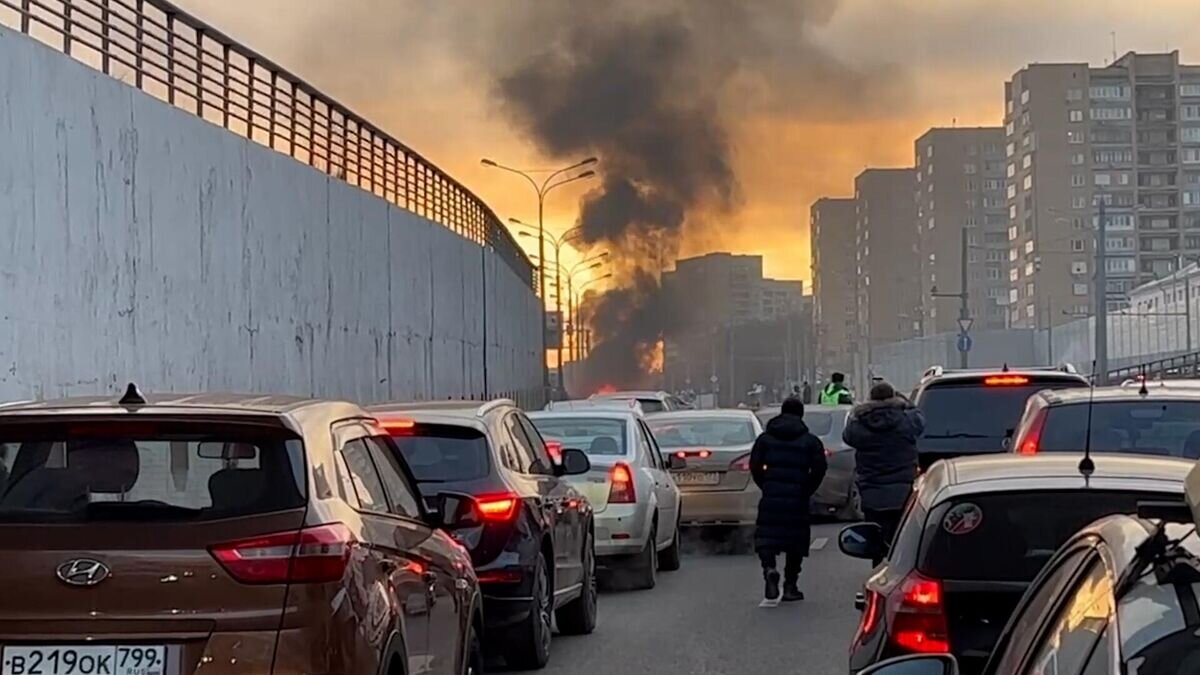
[705, 620]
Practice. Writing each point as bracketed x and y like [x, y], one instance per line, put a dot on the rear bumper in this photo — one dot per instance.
[834, 491]
[720, 508]
[622, 529]
[507, 589]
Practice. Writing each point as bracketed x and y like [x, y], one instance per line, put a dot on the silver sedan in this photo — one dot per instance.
[630, 488]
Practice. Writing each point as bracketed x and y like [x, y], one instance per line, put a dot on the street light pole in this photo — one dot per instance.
[963, 295]
[542, 189]
[1101, 294]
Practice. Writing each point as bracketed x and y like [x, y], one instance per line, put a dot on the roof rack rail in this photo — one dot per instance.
[933, 371]
[489, 406]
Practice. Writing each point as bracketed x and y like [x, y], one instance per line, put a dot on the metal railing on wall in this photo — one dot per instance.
[177, 58]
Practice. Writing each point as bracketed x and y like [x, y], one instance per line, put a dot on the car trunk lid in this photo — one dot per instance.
[721, 469]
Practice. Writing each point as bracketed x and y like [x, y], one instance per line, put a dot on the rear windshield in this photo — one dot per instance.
[597, 437]
[819, 423]
[652, 405]
[1161, 428]
[1009, 536]
[442, 453]
[975, 417]
[168, 471]
[713, 433]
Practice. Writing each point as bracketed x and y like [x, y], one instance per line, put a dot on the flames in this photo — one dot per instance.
[606, 389]
[651, 357]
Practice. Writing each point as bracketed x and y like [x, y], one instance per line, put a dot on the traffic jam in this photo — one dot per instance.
[1051, 528]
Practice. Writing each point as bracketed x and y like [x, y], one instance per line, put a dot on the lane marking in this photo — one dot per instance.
[818, 543]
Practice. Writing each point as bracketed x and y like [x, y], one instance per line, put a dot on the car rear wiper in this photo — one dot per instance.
[140, 509]
[956, 435]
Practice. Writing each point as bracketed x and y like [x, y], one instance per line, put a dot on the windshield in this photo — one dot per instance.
[1009, 536]
[596, 437]
[974, 417]
[821, 423]
[102, 471]
[712, 433]
[1161, 428]
[442, 453]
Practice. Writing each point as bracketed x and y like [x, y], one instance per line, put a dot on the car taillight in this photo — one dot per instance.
[918, 616]
[870, 617]
[741, 463]
[308, 556]
[1005, 380]
[1033, 437]
[622, 490]
[497, 508]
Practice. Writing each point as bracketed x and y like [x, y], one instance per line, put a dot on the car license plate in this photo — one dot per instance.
[694, 478]
[89, 660]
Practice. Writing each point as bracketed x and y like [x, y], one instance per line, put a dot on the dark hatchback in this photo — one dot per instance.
[972, 412]
[534, 554]
[1156, 420]
[973, 538]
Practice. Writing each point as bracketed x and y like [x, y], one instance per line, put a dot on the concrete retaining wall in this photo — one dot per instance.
[138, 242]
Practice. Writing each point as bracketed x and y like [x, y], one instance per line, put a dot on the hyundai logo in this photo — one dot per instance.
[83, 572]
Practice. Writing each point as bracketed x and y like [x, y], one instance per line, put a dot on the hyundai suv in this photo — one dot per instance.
[970, 412]
[535, 550]
[223, 533]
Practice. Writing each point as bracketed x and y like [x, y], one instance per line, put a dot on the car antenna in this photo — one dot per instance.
[1086, 466]
[1143, 391]
[1004, 368]
[132, 396]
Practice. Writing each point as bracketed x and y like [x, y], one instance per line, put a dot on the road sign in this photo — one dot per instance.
[964, 343]
[554, 333]
[714, 379]
[964, 326]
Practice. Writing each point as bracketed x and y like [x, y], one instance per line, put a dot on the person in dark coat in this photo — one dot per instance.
[883, 432]
[787, 464]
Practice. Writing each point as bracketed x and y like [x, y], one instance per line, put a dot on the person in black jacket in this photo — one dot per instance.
[787, 464]
[883, 432]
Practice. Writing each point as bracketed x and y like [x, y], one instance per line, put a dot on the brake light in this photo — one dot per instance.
[497, 508]
[870, 617]
[1029, 444]
[828, 453]
[398, 427]
[313, 555]
[555, 449]
[622, 490]
[741, 463]
[918, 616]
[1005, 380]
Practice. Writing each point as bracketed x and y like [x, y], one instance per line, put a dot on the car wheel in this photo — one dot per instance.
[578, 617]
[473, 662]
[646, 570]
[852, 509]
[528, 647]
[668, 560]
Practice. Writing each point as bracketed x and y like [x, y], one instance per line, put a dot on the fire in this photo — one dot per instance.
[652, 357]
[606, 389]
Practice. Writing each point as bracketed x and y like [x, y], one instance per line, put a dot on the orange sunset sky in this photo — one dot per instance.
[418, 70]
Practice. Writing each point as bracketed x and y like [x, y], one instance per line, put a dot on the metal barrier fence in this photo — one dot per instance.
[175, 57]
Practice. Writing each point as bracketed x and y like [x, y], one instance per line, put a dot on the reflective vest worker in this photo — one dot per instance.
[836, 392]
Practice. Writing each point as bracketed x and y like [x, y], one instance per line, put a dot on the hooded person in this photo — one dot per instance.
[836, 392]
[883, 432]
[787, 464]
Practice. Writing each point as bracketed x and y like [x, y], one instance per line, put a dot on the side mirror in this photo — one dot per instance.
[676, 463]
[924, 664]
[863, 540]
[455, 511]
[574, 462]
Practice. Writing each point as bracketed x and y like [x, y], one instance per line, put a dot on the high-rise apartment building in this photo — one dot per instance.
[1127, 134]
[831, 232]
[887, 272]
[960, 189]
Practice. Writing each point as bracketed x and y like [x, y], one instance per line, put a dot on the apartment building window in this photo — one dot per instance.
[1077, 223]
[1010, 128]
[1029, 311]
[971, 203]
[1029, 269]
[1012, 190]
[1025, 96]
[1079, 289]
[1012, 211]
[1116, 221]
[1100, 179]
[972, 151]
[930, 189]
[1112, 156]
[1075, 137]
[1013, 253]
[1025, 119]
[1014, 275]
[1190, 112]
[992, 202]
[1074, 94]
[993, 274]
[1189, 89]
[971, 221]
[1026, 161]
[1029, 290]
[1191, 155]
[1110, 91]
[1075, 115]
[1027, 140]
[1012, 170]
[1122, 113]
[1078, 158]
[1077, 180]
[991, 149]
[931, 222]
[1190, 197]
[1190, 134]
[972, 185]
[992, 184]
[972, 257]
[1078, 267]
[929, 151]
[1012, 236]
[1077, 245]
[1124, 179]
[969, 168]
[995, 255]
[1078, 202]
[1119, 264]
[1028, 247]
[1010, 149]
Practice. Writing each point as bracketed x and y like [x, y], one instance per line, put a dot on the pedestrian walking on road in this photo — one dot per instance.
[806, 393]
[787, 464]
[883, 432]
[836, 392]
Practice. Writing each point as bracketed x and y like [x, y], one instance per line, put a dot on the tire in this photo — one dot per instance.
[668, 560]
[851, 511]
[578, 617]
[645, 572]
[473, 661]
[528, 645]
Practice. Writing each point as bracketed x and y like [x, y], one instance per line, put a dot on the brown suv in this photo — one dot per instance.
[221, 533]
